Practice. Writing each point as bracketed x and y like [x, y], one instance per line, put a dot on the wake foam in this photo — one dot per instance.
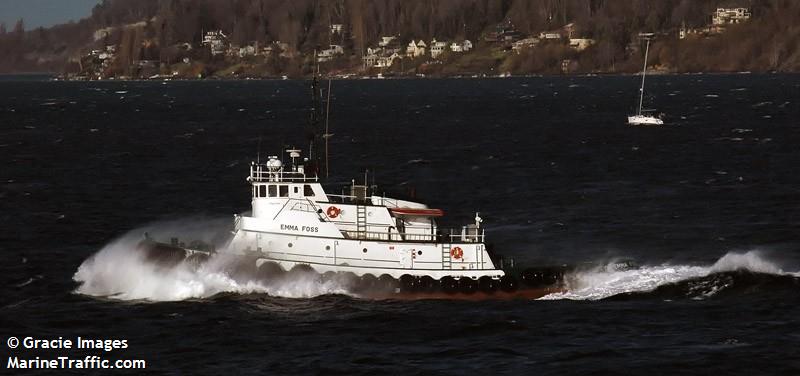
[696, 282]
[120, 271]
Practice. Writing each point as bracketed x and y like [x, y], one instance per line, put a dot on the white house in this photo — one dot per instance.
[580, 44]
[437, 48]
[464, 46]
[217, 41]
[336, 28]
[380, 60]
[416, 49]
[549, 35]
[519, 45]
[387, 61]
[385, 41]
[330, 53]
[247, 51]
[725, 16]
[370, 60]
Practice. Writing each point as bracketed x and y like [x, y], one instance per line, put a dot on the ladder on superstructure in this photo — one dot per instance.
[361, 221]
[447, 261]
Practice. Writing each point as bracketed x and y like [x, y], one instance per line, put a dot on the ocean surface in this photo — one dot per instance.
[708, 206]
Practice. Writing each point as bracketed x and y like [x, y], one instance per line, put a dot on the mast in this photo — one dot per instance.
[315, 126]
[646, 36]
[327, 134]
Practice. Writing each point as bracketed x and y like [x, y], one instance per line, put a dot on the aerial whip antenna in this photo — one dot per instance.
[327, 134]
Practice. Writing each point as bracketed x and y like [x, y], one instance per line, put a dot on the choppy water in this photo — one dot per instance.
[707, 205]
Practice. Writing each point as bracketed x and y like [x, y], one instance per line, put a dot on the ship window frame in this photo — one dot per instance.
[296, 189]
[283, 190]
[273, 191]
[262, 190]
[308, 191]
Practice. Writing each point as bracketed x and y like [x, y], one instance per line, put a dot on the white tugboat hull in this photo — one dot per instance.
[362, 257]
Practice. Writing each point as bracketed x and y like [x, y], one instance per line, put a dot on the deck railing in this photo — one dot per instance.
[260, 173]
[445, 236]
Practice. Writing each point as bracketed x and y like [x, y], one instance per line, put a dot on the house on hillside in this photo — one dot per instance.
[337, 28]
[580, 44]
[384, 55]
[504, 33]
[248, 51]
[381, 60]
[520, 45]
[416, 49]
[370, 60]
[330, 53]
[385, 41]
[464, 46]
[437, 48]
[727, 16]
[216, 41]
[387, 61]
[549, 36]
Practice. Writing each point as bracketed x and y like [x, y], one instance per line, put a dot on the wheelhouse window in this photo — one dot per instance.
[262, 191]
[308, 191]
[296, 190]
[284, 190]
[273, 192]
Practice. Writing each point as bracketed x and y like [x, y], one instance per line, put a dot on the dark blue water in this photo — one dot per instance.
[707, 205]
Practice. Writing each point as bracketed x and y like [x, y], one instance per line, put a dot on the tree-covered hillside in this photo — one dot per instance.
[167, 35]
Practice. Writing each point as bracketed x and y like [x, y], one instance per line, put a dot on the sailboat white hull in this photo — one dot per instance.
[644, 120]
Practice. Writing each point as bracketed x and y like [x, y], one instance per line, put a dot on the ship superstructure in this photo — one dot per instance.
[295, 222]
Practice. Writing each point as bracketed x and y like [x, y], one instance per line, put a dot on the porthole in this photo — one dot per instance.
[327, 248]
[364, 250]
[419, 253]
[290, 245]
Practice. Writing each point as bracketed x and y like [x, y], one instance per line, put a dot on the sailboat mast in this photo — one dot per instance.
[644, 73]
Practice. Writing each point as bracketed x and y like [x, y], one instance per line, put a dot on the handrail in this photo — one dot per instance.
[342, 199]
[389, 202]
[303, 206]
[260, 173]
[410, 236]
[282, 207]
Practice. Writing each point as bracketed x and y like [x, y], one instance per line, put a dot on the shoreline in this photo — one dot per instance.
[59, 78]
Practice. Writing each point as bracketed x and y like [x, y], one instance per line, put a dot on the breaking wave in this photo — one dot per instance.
[120, 271]
[736, 272]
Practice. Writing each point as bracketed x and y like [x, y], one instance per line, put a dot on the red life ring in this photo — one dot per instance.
[333, 212]
[457, 253]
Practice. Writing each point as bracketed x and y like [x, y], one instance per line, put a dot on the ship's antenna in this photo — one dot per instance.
[258, 155]
[315, 124]
[327, 134]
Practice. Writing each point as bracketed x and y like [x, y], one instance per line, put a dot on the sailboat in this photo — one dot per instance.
[643, 118]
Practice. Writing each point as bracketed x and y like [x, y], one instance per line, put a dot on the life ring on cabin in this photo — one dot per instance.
[457, 253]
[333, 212]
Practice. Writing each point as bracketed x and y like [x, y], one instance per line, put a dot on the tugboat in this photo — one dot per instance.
[388, 246]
